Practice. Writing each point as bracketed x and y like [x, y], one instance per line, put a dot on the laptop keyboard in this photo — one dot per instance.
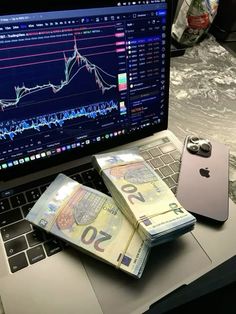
[26, 245]
[164, 158]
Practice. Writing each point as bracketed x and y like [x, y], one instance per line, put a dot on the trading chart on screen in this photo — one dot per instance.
[74, 77]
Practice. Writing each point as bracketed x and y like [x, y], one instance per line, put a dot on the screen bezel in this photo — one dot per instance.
[76, 153]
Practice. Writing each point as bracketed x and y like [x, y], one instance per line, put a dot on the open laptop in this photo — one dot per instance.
[77, 79]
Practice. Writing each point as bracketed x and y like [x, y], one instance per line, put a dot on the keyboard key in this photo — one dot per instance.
[36, 254]
[166, 171]
[89, 184]
[10, 217]
[159, 173]
[175, 177]
[176, 155]
[48, 236]
[166, 139]
[18, 200]
[15, 246]
[18, 262]
[15, 230]
[44, 187]
[175, 166]
[76, 177]
[4, 205]
[52, 247]
[156, 162]
[89, 175]
[167, 159]
[167, 148]
[174, 189]
[26, 208]
[155, 152]
[99, 185]
[35, 237]
[7, 193]
[146, 155]
[33, 195]
[170, 182]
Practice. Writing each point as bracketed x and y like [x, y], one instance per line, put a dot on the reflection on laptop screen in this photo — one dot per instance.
[74, 78]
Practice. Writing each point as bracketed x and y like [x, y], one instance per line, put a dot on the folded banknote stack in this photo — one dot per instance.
[143, 196]
[90, 221]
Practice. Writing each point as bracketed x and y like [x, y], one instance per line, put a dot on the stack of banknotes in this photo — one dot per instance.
[90, 221]
[143, 196]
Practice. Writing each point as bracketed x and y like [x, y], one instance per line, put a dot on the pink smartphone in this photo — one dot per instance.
[204, 178]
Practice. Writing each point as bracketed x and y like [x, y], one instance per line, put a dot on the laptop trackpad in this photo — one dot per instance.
[168, 267]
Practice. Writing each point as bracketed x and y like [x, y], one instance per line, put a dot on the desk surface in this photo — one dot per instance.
[203, 97]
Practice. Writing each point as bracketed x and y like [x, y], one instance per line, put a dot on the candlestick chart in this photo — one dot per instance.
[50, 82]
[72, 66]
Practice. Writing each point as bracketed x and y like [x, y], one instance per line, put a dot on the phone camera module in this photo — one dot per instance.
[206, 147]
[194, 139]
[193, 148]
[199, 146]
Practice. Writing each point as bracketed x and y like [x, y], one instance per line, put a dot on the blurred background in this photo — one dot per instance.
[194, 19]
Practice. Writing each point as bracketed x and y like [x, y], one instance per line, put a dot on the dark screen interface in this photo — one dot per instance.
[72, 78]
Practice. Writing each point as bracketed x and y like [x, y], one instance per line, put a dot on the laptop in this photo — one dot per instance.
[78, 79]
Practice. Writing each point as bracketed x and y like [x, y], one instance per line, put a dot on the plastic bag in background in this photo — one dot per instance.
[193, 20]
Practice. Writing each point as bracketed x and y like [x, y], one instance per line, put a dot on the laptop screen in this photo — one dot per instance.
[73, 80]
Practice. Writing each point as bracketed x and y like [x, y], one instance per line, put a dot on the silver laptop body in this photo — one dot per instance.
[76, 80]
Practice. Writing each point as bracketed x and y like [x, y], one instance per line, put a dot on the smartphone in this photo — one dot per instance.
[203, 184]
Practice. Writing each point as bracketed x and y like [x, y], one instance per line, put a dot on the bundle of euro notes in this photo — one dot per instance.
[143, 196]
[90, 221]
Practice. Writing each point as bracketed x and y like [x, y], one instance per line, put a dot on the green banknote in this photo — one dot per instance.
[143, 196]
[90, 221]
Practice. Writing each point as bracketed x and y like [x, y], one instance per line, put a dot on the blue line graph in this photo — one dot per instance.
[13, 128]
[73, 65]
